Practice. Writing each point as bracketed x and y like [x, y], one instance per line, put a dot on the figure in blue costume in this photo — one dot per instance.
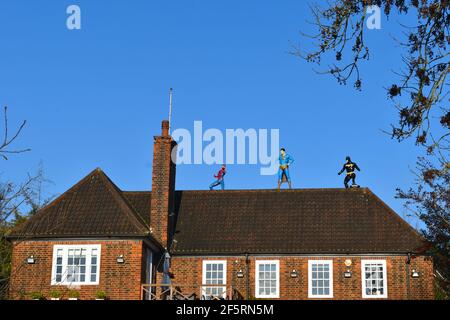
[283, 171]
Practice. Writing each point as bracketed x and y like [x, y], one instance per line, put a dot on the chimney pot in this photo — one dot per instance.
[165, 128]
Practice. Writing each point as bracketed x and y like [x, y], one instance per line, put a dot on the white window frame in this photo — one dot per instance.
[149, 267]
[65, 249]
[330, 265]
[277, 292]
[363, 279]
[224, 284]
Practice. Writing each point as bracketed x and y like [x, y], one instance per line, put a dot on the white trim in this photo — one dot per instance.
[149, 266]
[65, 249]
[330, 264]
[269, 256]
[224, 264]
[363, 279]
[277, 269]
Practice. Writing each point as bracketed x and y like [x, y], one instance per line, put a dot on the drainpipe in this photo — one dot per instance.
[408, 272]
[247, 278]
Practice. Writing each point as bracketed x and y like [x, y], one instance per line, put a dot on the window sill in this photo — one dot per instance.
[74, 284]
[267, 297]
[320, 297]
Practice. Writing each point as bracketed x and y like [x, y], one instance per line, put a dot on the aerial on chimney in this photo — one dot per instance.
[170, 108]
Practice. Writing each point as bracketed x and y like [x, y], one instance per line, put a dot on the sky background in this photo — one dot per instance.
[96, 97]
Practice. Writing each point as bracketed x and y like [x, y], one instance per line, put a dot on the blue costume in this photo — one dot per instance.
[285, 162]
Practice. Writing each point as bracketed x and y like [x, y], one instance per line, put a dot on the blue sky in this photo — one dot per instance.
[95, 97]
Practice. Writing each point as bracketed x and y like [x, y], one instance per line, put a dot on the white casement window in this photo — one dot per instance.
[214, 273]
[76, 264]
[320, 279]
[267, 279]
[374, 280]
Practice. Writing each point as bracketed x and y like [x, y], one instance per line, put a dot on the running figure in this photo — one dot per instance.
[283, 171]
[219, 179]
[350, 167]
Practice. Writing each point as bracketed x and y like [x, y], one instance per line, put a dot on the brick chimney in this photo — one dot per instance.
[163, 185]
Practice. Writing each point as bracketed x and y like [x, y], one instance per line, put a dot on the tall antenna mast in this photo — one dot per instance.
[170, 108]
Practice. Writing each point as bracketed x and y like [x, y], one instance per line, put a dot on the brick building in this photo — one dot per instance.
[234, 244]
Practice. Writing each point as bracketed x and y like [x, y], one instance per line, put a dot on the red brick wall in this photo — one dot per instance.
[188, 270]
[123, 281]
[119, 281]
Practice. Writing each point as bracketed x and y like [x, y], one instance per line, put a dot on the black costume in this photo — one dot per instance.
[350, 167]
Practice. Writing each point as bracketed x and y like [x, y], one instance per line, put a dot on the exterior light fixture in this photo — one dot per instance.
[415, 274]
[31, 260]
[294, 274]
[240, 274]
[347, 274]
[120, 259]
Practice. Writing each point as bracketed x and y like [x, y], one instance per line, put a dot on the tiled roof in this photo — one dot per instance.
[303, 221]
[307, 221]
[93, 207]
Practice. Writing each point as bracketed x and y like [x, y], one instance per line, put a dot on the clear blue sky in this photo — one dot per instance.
[95, 97]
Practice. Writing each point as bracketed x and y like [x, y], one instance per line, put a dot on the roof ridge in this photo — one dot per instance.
[276, 190]
[259, 190]
[123, 202]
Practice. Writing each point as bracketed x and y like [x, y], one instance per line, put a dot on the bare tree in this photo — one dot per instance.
[18, 201]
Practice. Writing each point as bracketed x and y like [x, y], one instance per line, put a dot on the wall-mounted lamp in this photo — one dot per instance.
[240, 274]
[415, 274]
[294, 274]
[31, 260]
[347, 274]
[120, 259]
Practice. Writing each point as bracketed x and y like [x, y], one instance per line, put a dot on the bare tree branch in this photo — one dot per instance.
[7, 141]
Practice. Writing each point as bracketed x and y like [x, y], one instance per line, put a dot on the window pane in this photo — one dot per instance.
[319, 283]
[374, 280]
[267, 279]
[214, 275]
[79, 268]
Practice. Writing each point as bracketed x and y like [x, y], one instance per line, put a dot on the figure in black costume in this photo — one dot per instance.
[350, 167]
